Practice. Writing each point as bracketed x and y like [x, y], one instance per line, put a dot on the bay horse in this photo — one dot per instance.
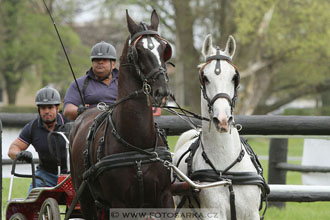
[117, 155]
[216, 152]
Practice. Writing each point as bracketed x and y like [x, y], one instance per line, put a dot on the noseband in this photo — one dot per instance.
[217, 71]
[133, 57]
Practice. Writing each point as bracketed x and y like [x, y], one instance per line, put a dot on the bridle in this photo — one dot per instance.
[217, 71]
[133, 57]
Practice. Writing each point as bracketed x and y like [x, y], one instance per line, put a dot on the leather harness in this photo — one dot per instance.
[137, 157]
[214, 175]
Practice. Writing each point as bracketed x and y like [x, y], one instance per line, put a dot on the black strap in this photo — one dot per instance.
[218, 57]
[193, 148]
[126, 159]
[125, 143]
[139, 175]
[138, 34]
[232, 202]
[75, 200]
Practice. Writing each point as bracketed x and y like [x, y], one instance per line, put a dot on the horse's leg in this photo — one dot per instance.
[247, 202]
[167, 200]
[87, 205]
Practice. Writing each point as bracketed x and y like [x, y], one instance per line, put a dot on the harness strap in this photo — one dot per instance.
[126, 159]
[75, 200]
[220, 95]
[238, 178]
[232, 202]
[193, 148]
[139, 174]
[141, 33]
[125, 143]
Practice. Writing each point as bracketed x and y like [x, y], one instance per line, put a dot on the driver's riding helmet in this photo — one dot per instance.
[103, 50]
[48, 96]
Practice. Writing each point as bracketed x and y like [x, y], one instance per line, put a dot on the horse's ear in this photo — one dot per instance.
[132, 26]
[230, 46]
[207, 46]
[154, 20]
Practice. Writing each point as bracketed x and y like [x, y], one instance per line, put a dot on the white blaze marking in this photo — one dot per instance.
[155, 49]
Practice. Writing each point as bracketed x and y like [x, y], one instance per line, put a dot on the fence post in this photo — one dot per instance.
[1, 168]
[278, 151]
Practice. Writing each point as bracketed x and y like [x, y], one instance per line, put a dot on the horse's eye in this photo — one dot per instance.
[234, 78]
[206, 80]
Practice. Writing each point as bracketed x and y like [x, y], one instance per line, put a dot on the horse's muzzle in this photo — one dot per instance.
[222, 123]
[160, 96]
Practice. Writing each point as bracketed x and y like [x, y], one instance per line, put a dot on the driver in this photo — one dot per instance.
[36, 132]
[100, 84]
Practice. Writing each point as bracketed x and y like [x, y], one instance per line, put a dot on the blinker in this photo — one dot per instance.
[167, 52]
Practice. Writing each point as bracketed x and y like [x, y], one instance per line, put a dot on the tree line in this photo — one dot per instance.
[282, 46]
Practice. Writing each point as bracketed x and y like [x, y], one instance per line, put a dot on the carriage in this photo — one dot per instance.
[112, 145]
[42, 202]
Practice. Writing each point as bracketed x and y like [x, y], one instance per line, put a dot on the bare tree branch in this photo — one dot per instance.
[295, 94]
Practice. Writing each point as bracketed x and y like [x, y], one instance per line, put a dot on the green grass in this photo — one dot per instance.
[292, 210]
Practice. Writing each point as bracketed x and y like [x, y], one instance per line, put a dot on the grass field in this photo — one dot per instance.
[292, 210]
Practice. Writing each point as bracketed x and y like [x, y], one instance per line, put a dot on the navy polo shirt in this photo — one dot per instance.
[38, 138]
[96, 90]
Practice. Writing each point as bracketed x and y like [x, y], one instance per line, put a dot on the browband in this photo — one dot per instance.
[218, 57]
[138, 34]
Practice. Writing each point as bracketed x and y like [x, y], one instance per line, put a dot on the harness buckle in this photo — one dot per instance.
[102, 106]
[138, 165]
[114, 132]
[146, 88]
[241, 155]
[156, 156]
[167, 164]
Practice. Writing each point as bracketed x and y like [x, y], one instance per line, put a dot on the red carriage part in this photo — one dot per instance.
[63, 193]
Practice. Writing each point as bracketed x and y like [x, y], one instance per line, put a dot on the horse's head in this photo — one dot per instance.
[149, 52]
[219, 80]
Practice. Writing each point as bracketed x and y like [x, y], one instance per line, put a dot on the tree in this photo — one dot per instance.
[30, 45]
[282, 50]
[291, 52]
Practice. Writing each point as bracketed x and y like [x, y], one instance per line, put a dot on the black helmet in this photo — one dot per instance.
[48, 96]
[103, 50]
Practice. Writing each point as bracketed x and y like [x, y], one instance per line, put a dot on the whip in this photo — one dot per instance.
[66, 55]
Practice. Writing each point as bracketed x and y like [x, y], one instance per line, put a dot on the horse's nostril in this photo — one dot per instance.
[161, 93]
[216, 121]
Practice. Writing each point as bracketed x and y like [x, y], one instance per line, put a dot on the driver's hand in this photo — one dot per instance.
[24, 156]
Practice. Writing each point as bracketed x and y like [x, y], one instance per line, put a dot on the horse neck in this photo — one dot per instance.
[133, 118]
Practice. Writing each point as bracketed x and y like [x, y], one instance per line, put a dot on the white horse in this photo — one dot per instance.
[220, 153]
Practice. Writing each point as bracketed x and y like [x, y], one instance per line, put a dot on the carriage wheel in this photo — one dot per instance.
[49, 210]
[18, 216]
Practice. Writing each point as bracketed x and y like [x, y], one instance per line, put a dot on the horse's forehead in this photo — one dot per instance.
[224, 65]
[154, 45]
[227, 70]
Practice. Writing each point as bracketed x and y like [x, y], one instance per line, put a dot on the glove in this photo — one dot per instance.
[24, 156]
[81, 109]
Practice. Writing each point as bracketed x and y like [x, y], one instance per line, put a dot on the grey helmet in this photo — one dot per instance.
[48, 96]
[103, 50]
